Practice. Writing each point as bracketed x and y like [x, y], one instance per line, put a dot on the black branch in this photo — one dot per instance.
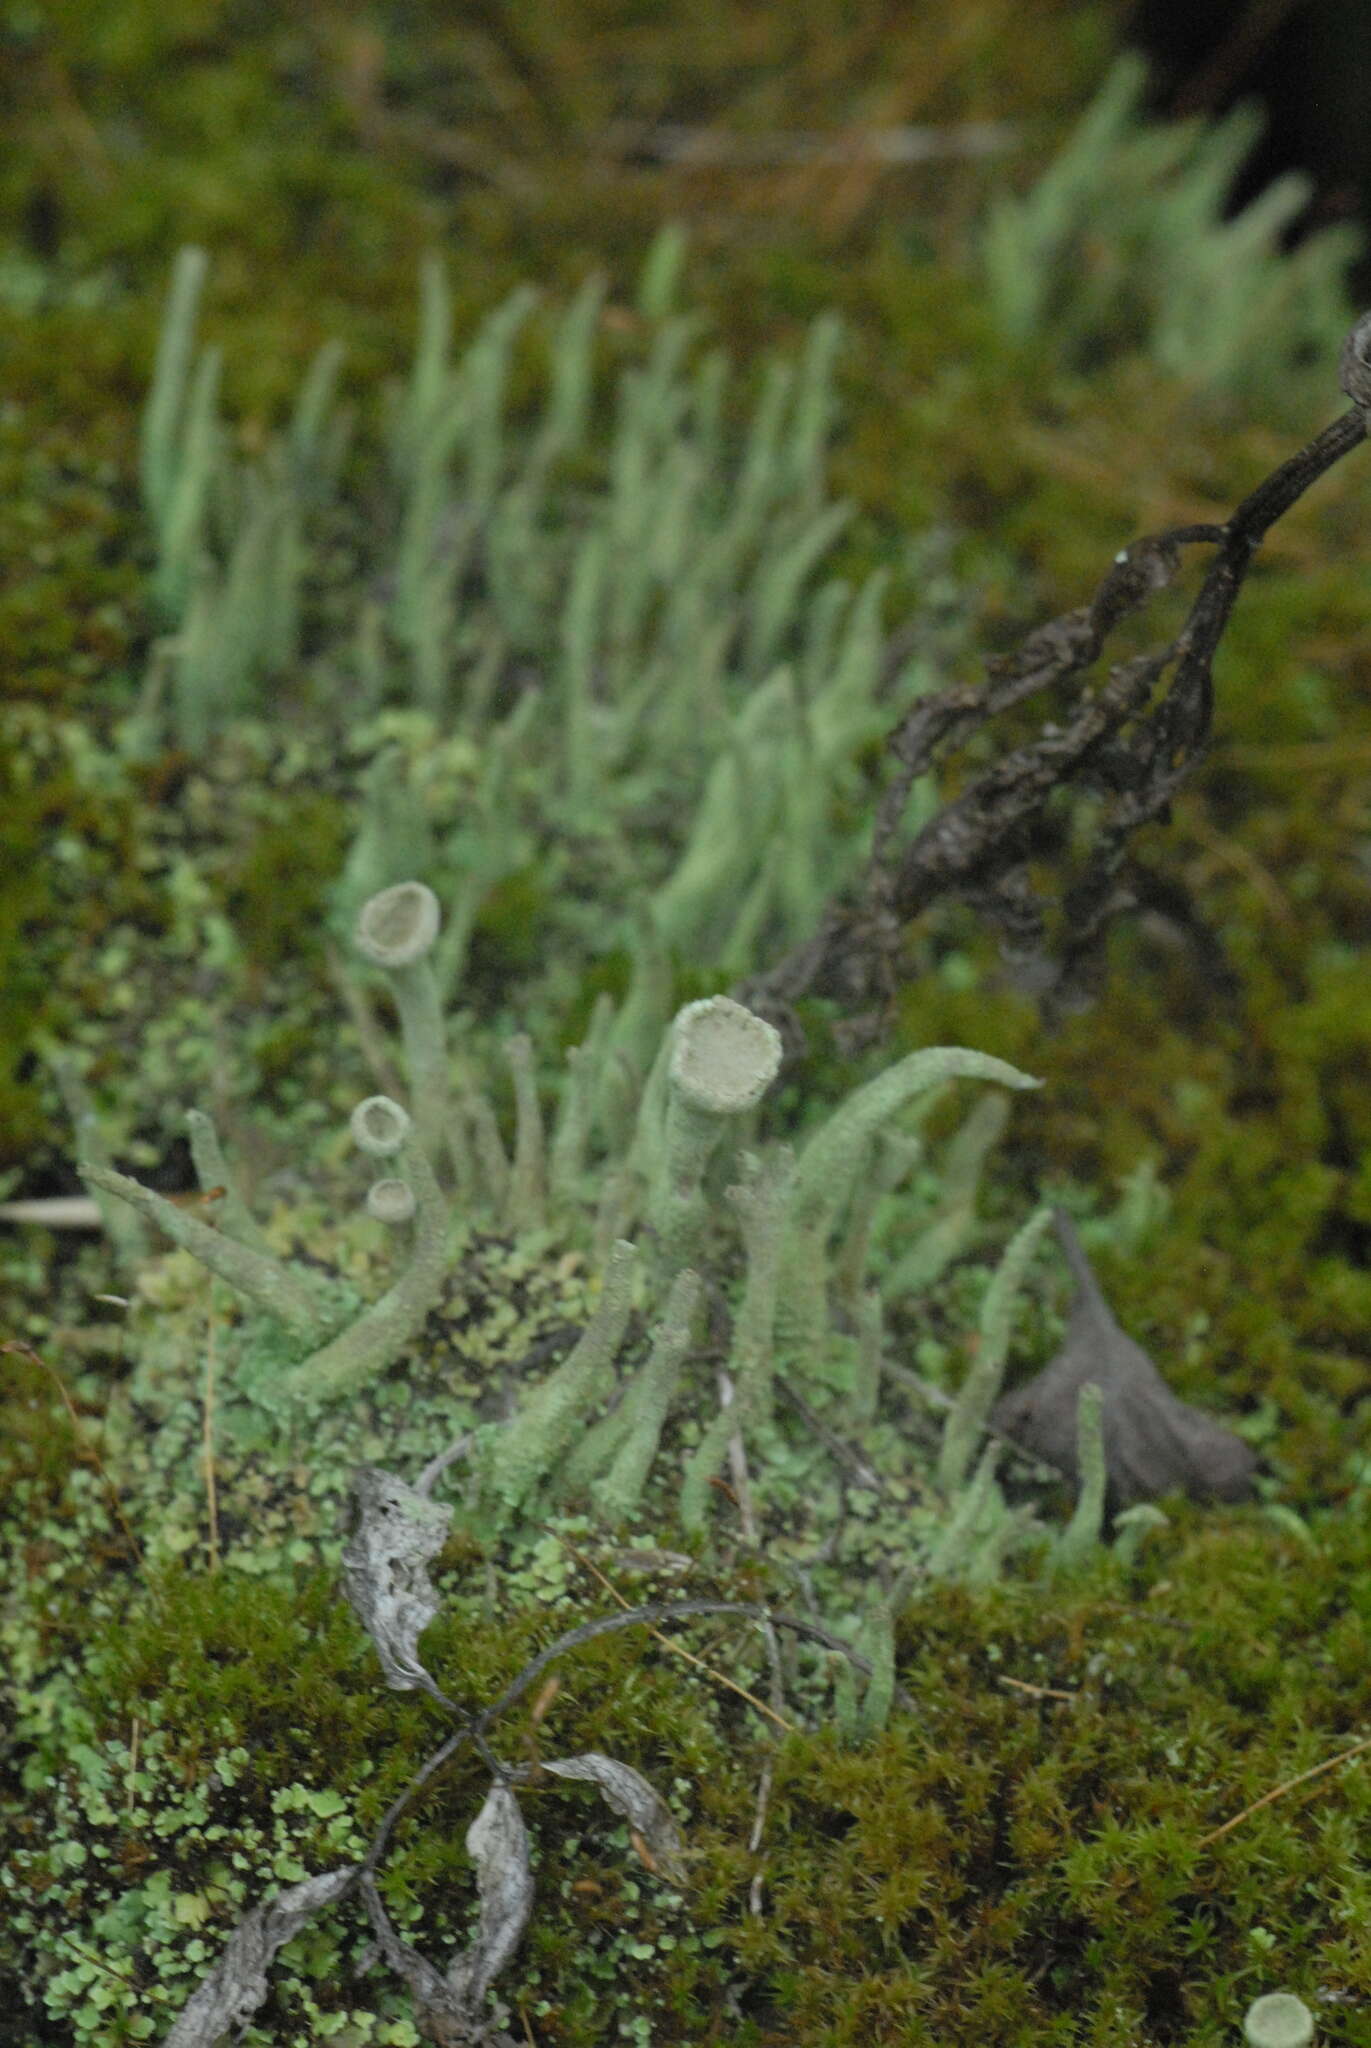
[1115, 742]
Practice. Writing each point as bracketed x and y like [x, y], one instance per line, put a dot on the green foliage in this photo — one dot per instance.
[318, 157]
[276, 890]
[305, 1342]
[527, 866]
[66, 866]
[486, 562]
[496, 553]
[1122, 244]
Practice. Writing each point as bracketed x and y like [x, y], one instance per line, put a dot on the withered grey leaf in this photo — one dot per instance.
[397, 1534]
[442, 2014]
[237, 1985]
[629, 1793]
[497, 1843]
[1153, 1441]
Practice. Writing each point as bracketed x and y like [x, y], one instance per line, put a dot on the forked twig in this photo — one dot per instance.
[476, 1726]
[678, 1649]
[1112, 742]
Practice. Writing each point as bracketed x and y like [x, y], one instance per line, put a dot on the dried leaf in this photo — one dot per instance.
[1153, 1441]
[448, 2008]
[237, 1985]
[645, 1811]
[497, 1843]
[442, 2014]
[398, 1533]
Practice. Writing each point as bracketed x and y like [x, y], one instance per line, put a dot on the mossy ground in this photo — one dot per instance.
[1022, 1858]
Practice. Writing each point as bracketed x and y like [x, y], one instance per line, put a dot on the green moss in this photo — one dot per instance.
[276, 889]
[68, 873]
[513, 928]
[1042, 1875]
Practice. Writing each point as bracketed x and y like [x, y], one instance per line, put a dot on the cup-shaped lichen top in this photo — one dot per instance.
[391, 1201]
[399, 926]
[379, 1127]
[1280, 2020]
[723, 1058]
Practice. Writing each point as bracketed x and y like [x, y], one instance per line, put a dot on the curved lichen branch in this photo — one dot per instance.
[262, 1277]
[1112, 741]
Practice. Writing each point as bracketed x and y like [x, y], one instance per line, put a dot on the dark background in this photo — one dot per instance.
[1307, 61]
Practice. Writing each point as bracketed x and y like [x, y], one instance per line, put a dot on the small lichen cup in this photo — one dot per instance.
[1279, 2020]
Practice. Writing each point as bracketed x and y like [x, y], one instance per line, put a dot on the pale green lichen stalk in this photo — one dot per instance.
[260, 1276]
[979, 1531]
[529, 1449]
[829, 1165]
[231, 1212]
[1206, 288]
[951, 1230]
[384, 1131]
[624, 1444]
[722, 1061]
[526, 1194]
[1081, 1536]
[979, 1391]
[761, 1201]
[571, 1133]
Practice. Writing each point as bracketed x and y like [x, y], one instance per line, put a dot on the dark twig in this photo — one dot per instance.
[1110, 743]
[474, 1728]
